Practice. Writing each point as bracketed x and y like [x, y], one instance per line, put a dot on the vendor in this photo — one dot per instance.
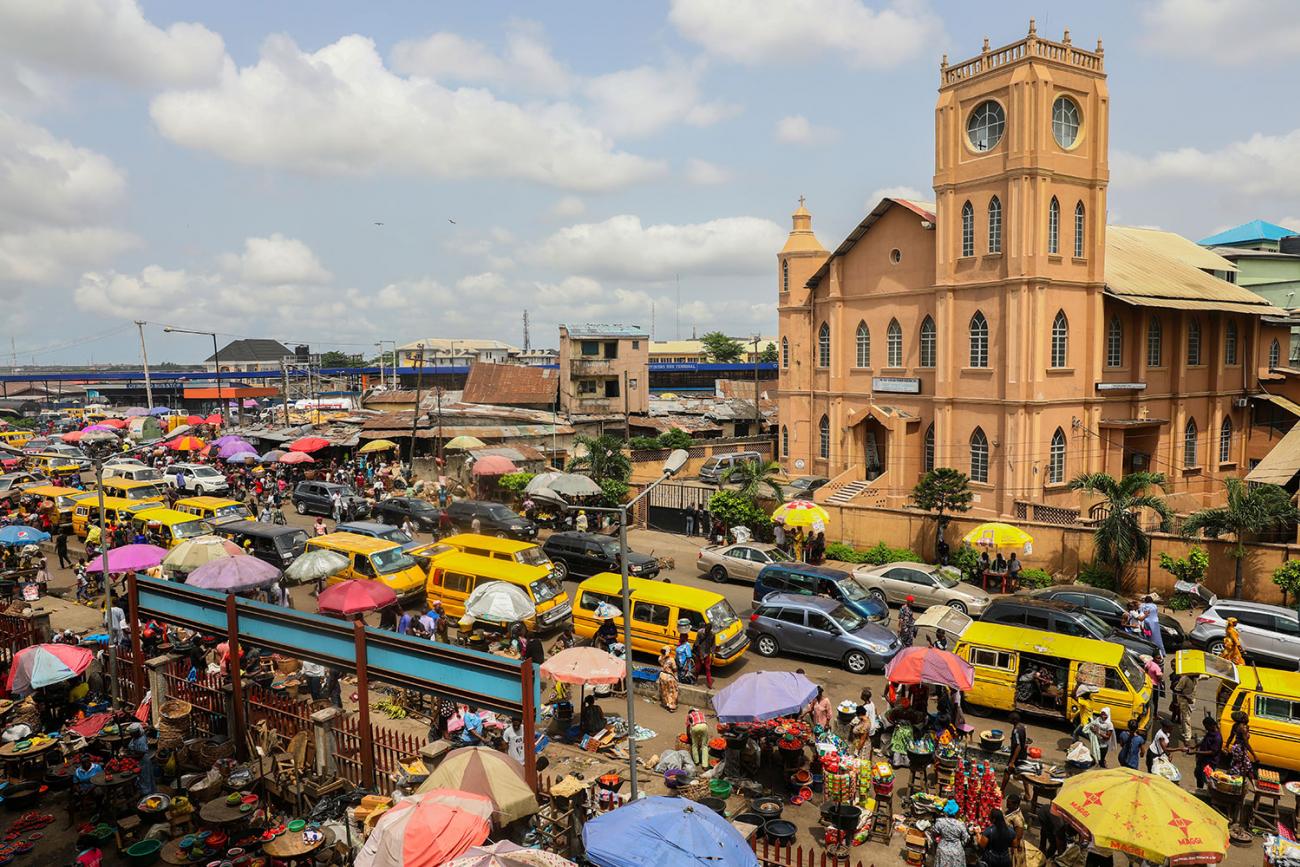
[138, 746]
[593, 718]
[84, 773]
[606, 633]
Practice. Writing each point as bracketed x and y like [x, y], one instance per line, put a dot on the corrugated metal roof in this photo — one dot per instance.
[1281, 463]
[1185, 304]
[1154, 268]
[1255, 230]
[1278, 400]
[1169, 244]
[511, 384]
[483, 432]
[518, 452]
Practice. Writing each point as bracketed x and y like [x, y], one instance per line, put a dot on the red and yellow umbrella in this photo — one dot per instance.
[801, 513]
[185, 444]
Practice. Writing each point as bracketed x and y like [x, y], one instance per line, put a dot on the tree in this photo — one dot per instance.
[755, 479]
[675, 438]
[941, 490]
[733, 510]
[334, 358]
[1118, 538]
[768, 355]
[1190, 568]
[602, 457]
[721, 348]
[1249, 511]
[1287, 576]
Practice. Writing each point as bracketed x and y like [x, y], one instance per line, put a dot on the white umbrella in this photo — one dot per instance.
[574, 485]
[499, 602]
[315, 565]
[541, 482]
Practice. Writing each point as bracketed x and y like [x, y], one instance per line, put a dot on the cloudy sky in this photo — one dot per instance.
[226, 166]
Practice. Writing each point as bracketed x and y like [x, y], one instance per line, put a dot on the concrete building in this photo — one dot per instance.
[1005, 330]
[604, 370]
[692, 351]
[1266, 260]
[452, 352]
[246, 356]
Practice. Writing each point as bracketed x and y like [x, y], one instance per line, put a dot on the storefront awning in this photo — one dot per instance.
[1277, 400]
[1282, 463]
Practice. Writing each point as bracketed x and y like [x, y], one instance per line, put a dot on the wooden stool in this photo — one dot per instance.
[882, 826]
[1264, 810]
[126, 830]
[181, 824]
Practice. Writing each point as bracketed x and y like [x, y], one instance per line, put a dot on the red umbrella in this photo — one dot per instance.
[214, 419]
[494, 465]
[116, 423]
[296, 458]
[72, 437]
[355, 597]
[308, 444]
[915, 665]
[194, 419]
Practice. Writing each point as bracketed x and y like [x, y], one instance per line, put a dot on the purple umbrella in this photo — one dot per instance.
[763, 695]
[232, 447]
[236, 574]
[129, 558]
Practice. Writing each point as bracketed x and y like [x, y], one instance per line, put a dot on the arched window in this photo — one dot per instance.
[928, 342]
[927, 457]
[824, 346]
[1114, 342]
[1078, 230]
[1060, 340]
[785, 352]
[894, 343]
[1189, 443]
[1194, 342]
[1056, 459]
[979, 457]
[864, 345]
[1155, 342]
[1274, 354]
[1225, 440]
[1054, 226]
[824, 435]
[995, 225]
[967, 230]
[979, 340]
[1230, 344]
[785, 441]
[785, 275]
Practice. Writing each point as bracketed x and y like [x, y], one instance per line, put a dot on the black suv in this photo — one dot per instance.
[494, 519]
[1062, 617]
[394, 510]
[1109, 606]
[582, 555]
[318, 498]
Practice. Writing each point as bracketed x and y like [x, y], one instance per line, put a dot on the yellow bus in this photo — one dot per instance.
[371, 559]
[15, 438]
[64, 499]
[454, 575]
[136, 491]
[214, 510]
[116, 510]
[524, 553]
[170, 526]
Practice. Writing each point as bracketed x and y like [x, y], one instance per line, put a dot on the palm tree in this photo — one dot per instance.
[1119, 539]
[1249, 511]
[755, 479]
[602, 458]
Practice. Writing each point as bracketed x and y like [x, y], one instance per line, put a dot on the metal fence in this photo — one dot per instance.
[15, 634]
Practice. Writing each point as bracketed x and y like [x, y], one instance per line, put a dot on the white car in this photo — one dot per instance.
[198, 479]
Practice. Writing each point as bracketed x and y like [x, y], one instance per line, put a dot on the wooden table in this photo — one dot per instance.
[289, 846]
[117, 791]
[218, 812]
[27, 757]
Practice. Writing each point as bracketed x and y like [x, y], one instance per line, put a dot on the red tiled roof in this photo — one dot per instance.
[510, 384]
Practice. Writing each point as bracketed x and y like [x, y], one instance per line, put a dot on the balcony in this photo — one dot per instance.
[591, 366]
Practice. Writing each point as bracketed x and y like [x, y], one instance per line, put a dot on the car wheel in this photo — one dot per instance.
[300, 507]
[198, 490]
[561, 569]
[766, 646]
[857, 662]
[718, 574]
[879, 595]
[1215, 647]
[959, 607]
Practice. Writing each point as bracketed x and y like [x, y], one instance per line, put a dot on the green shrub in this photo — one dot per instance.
[515, 482]
[615, 492]
[877, 555]
[674, 438]
[1097, 575]
[640, 444]
[1180, 602]
[1190, 568]
[1035, 578]
[843, 553]
[966, 559]
[735, 510]
[1287, 576]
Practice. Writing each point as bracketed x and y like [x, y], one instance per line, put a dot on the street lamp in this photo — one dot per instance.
[99, 445]
[216, 363]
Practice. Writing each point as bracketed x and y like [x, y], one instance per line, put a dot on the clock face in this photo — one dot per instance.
[1065, 121]
[984, 129]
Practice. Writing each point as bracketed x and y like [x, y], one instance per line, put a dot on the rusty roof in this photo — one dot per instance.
[1151, 268]
[399, 396]
[509, 384]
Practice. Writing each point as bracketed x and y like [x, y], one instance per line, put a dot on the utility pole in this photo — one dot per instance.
[144, 354]
[757, 413]
[442, 458]
[627, 421]
[415, 416]
[526, 344]
[284, 393]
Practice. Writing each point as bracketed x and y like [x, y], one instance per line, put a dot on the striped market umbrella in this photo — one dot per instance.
[193, 553]
[427, 830]
[185, 444]
[46, 664]
[914, 665]
[490, 773]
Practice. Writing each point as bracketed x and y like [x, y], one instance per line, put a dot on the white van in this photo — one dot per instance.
[132, 472]
[716, 466]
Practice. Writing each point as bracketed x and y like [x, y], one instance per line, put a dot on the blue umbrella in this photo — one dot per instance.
[160, 410]
[763, 695]
[665, 832]
[19, 534]
[272, 456]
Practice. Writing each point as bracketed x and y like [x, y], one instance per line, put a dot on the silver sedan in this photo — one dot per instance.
[926, 584]
[741, 561]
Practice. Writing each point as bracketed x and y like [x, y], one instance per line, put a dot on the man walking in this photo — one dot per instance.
[61, 548]
[1184, 702]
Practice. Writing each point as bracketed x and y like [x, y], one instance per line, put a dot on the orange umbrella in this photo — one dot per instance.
[71, 436]
[584, 665]
[117, 423]
[214, 419]
[185, 444]
[427, 830]
[308, 444]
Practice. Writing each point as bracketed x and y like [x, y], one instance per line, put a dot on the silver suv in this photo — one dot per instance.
[1269, 633]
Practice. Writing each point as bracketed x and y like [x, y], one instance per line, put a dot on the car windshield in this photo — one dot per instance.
[143, 492]
[852, 590]
[848, 620]
[776, 555]
[234, 510]
[721, 615]
[421, 506]
[533, 556]
[946, 579]
[545, 589]
[343, 490]
[391, 560]
[501, 513]
[205, 472]
[188, 529]
[1094, 624]
[1133, 671]
[146, 474]
[394, 535]
[290, 542]
[65, 501]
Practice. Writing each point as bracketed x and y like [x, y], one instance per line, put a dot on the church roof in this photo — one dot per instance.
[1151, 268]
[1255, 230]
[802, 239]
[924, 210]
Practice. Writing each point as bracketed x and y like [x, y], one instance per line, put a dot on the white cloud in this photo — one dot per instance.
[622, 247]
[107, 39]
[527, 62]
[706, 173]
[487, 282]
[46, 254]
[912, 194]
[786, 31]
[1262, 165]
[796, 129]
[569, 206]
[1223, 32]
[647, 99]
[339, 110]
[276, 261]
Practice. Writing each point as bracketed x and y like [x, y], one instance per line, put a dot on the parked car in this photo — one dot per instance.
[12, 481]
[494, 519]
[197, 479]
[819, 626]
[1109, 607]
[926, 584]
[276, 544]
[715, 467]
[802, 579]
[741, 561]
[1051, 616]
[318, 498]
[378, 531]
[73, 454]
[803, 487]
[395, 510]
[1269, 633]
[581, 555]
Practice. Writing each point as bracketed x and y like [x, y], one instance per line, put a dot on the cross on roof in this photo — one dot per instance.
[801, 201]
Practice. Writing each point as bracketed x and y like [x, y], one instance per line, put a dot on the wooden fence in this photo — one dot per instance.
[391, 750]
[15, 634]
[796, 856]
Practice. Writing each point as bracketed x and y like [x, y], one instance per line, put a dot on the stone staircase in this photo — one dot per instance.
[846, 492]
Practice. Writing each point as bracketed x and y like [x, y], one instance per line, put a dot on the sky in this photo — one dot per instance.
[341, 173]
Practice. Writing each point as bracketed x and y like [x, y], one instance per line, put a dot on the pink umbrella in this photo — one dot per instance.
[915, 665]
[355, 597]
[128, 558]
[297, 458]
[89, 428]
[584, 665]
[494, 465]
[44, 665]
[427, 830]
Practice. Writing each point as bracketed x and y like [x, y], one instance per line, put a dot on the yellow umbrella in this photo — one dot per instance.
[465, 442]
[1144, 816]
[997, 535]
[377, 446]
[801, 513]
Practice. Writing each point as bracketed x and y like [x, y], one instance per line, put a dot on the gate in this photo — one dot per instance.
[667, 505]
